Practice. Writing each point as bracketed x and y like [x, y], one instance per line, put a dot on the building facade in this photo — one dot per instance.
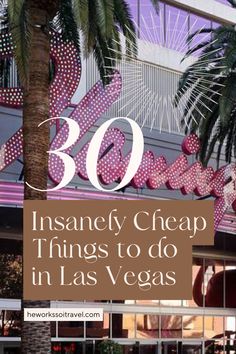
[149, 86]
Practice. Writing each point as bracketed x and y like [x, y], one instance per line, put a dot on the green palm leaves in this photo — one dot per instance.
[209, 89]
[94, 23]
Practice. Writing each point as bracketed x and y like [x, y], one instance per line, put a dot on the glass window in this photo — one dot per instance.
[197, 283]
[147, 326]
[214, 334]
[65, 348]
[230, 331]
[133, 4]
[129, 349]
[12, 349]
[71, 329]
[192, 326]
[123, 325]
[150, 349]
[171, 303]
[215, 25]
[213, 326]
[98, 329]
[10, 323]
[151, 24]
[171, 326]
[169, 347]
[196, 23]
[214, 284]
[127, 302]
[89, 346]
[176, 27]
[230, 284]
[148, 302]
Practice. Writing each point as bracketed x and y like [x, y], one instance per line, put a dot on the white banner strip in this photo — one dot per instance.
[63, 314]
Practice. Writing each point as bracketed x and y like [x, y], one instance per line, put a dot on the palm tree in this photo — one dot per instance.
[98, 22]
[209, 90]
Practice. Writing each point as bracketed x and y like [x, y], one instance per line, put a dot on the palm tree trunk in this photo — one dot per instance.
[36, 337]
[36, 110]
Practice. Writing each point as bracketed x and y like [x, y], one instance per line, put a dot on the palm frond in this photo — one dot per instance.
[211, 94]
[66, 23]
[103, 57]
[101, 22]
[208, 138]
[21, 33]
[98, 21]
[105, 18]
[230, 139]
[81, 14]
[195, 49]
[5, 65]
[80, 9]
[123, 19]
[197, 32]
[227, 100]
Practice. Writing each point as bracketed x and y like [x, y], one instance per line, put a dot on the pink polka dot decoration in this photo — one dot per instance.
[153, 171]
[10, 96]
[191, 144]
[112, 164]
[68, 73]
[88, 111]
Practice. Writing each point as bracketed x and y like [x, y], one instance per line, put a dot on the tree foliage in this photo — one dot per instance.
[10, 276]
[10, 287]
[110, 347]
[94, 26]
[210, 109]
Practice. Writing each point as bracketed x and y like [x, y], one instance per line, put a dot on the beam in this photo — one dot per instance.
[210, 9]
